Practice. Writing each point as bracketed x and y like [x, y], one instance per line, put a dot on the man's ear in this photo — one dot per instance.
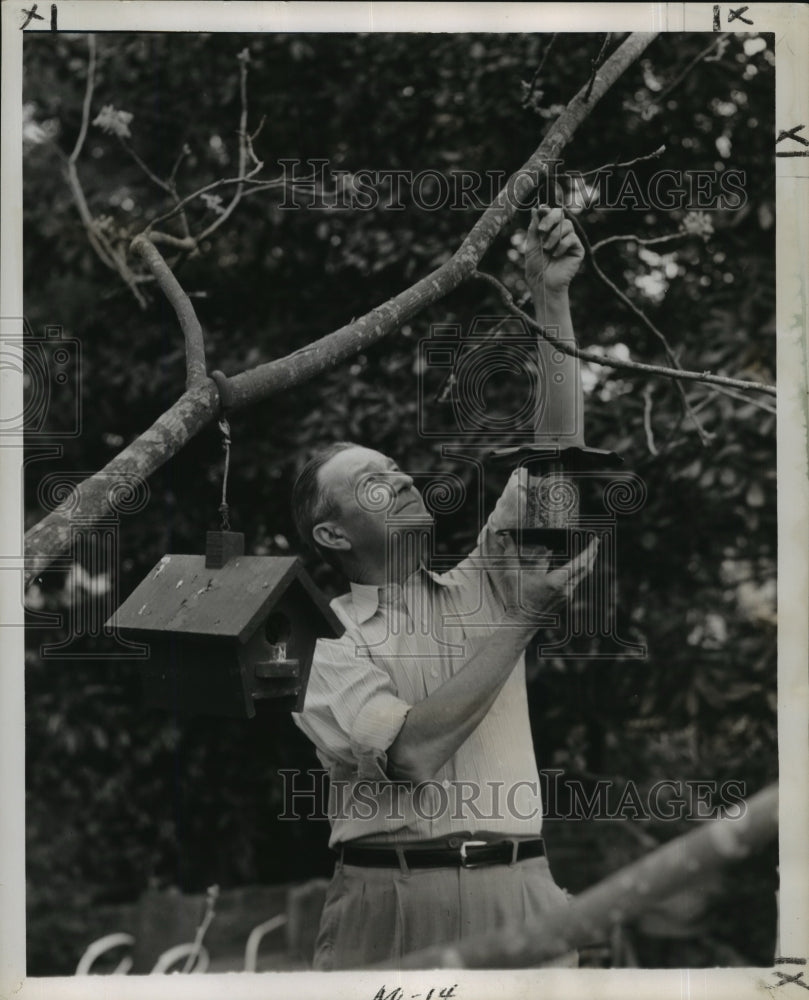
[329, 535]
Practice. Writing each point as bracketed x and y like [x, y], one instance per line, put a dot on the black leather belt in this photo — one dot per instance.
[468, 854]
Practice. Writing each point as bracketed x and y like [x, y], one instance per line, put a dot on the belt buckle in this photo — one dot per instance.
[465, 863]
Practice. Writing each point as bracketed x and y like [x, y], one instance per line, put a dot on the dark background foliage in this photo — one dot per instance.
[120, 798]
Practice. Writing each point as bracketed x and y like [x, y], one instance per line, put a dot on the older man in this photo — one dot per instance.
[419, 710]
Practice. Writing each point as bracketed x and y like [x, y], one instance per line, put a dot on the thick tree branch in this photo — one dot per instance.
[196, 408]
[336, 347]
[705, 377]
[192, 331]
[94, 496]
[618, 899]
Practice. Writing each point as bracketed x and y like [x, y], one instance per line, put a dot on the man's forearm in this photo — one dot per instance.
[552, 310]
[436, 727]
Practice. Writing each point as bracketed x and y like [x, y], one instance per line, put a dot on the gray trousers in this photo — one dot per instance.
[381, 914]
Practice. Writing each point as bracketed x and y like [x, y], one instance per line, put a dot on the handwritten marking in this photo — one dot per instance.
[716, 24]
[31, 15]
[798, 979]
[796, 153]
[435, 993]
[53, 17]
[734, 15]
[791, 135]
[790, 961]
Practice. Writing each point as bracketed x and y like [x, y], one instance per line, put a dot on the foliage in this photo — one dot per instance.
[119, 797]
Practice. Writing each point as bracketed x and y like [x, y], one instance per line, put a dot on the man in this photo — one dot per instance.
[419, 710]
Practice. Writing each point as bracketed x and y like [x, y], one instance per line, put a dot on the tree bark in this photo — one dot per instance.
[48, 539]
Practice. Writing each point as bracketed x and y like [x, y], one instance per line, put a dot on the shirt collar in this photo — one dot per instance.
[367, 597]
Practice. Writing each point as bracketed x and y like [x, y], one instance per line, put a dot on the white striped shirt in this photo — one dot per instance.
[400, 645]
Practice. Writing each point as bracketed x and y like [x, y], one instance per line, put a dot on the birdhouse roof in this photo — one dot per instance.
[180, 595]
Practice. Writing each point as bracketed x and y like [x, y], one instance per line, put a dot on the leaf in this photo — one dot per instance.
[113, 121]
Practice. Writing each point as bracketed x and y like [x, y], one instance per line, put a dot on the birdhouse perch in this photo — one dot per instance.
[226, 630]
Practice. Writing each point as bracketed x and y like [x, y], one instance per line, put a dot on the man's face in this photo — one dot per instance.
[371, 493]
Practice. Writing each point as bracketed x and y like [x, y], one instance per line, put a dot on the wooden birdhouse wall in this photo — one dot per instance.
[291, 621]
[190, 674]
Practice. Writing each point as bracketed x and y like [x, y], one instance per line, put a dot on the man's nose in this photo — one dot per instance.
[402, 481]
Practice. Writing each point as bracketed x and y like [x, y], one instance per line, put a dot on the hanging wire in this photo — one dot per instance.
[223, 390]
[224, 509]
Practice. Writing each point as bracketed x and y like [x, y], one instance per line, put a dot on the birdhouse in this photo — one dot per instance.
[226, 631]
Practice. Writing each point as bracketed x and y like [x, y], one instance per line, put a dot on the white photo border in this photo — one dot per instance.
[790, 24]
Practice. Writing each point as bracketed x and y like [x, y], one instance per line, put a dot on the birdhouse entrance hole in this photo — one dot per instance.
[277, 632]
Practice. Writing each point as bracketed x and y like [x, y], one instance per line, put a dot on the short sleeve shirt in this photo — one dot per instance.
[401, 643]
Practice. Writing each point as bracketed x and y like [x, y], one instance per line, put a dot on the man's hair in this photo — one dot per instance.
[311, 504]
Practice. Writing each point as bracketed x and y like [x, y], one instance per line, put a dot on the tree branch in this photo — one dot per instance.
[94, 497]
[705, 437]
[195, 367]
[681, 374]
[197, 407]
[647, 242]
[595, 63]
[98, 241]
[718, 40]
[619, 898]
[528, 95]
[629, 163]
[647, 419]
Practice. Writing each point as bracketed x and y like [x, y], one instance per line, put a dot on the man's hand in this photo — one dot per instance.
[553, 251]
[435, 727]
[530, 589]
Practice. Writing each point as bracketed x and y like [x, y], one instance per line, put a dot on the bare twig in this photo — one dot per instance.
[529, 90]
[704, 435]
[697, 59]
[104, 250]
[169, 186]
[188, 242]
[647, 419]
[252, 185]
[190, 325]
[632, 366]
[742, 398]
[185, 151]
[631, 238]
[163, 185]
[245, 149]
[629, 163]
[595, 63]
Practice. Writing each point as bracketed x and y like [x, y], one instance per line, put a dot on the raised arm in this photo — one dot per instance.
[437, 726]
[553, 255]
